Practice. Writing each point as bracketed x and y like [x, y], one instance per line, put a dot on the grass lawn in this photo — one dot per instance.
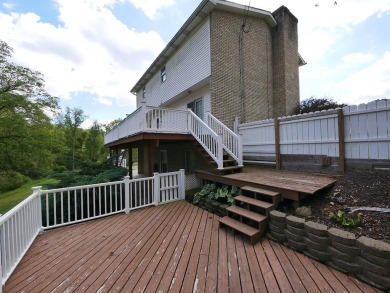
[11, 198]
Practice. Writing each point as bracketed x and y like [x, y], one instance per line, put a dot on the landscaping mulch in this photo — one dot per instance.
[370, 189]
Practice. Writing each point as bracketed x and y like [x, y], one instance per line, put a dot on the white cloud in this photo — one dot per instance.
[92, 51]
[357, 58]
[368, 84]
[8, 5]
[151, 7]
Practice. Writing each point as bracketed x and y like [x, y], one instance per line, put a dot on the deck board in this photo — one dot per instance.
[293, 185]
[175, 247]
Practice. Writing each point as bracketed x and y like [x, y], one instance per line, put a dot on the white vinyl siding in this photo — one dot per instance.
[203, 93]
[188, 66]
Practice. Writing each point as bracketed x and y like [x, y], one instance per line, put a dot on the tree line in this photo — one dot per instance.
[36, 136]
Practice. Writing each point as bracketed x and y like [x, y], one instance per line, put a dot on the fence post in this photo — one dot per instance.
[340, 124]
[220, 152]
[127, 194]
[156, 188]
[182, 184]
[277, 144]
[38, 191]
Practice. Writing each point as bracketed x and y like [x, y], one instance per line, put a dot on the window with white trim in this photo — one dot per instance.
[163, 74]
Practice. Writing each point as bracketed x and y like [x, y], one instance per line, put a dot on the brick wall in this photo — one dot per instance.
[255, 63]
[285, 62]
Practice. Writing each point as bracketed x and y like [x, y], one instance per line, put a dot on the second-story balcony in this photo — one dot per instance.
[212, 135]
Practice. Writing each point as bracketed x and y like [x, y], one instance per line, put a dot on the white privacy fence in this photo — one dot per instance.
[46, 209]
[354, 132]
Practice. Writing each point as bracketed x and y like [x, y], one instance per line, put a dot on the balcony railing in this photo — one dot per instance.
[214, 136]
[46, 209]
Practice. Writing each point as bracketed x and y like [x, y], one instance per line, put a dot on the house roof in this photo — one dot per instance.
[200, 13]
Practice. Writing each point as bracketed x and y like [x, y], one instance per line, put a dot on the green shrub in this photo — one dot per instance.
[346, 221]
[10, 180]
[223, 194]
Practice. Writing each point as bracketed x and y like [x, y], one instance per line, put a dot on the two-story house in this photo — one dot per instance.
[227, 62]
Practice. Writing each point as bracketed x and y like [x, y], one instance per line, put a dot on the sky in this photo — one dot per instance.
[92, 52]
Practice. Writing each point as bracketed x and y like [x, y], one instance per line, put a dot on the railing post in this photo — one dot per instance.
[189, 125]
[38, 191]
[240, 151]
[220, 152]
[182, 184]
[1, 268]
[235, 125]
[143, 115]
[127, 194]
[156, 188]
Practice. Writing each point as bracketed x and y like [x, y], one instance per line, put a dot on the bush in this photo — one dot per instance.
[223, 194]
[10, 180]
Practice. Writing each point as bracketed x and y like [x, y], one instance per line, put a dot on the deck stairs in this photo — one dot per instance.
[230, 166]
[250, 212]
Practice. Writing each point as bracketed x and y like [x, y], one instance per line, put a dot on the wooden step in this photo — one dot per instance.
[256, 203]
[229, 170]
[275, 196]
[253, 233]
[247, 214]
[260, 190]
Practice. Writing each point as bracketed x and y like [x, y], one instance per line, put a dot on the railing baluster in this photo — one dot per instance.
[62, 207]
[94, 201]
[82, 203]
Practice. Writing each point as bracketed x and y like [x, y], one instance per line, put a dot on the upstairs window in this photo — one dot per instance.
[143, 93]
[163, 74]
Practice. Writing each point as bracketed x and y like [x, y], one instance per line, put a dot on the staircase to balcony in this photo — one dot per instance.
[250, 212]
[230, 166]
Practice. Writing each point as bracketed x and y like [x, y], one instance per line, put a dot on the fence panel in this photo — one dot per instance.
[258, 139]
[311, 134]
[367, 131]
[18, 229]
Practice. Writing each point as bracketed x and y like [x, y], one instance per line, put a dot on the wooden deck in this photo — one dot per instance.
[293, 185]
[173, 247]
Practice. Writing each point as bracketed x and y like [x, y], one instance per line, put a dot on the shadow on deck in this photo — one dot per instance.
[173, 247]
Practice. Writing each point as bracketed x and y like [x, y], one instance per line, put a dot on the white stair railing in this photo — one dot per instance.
[232, 143]
[206, 137]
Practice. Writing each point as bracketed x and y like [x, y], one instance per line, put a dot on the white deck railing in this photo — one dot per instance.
[206, 137]
[213, 137]
[18, 229]
[232, 143]
[46, 209]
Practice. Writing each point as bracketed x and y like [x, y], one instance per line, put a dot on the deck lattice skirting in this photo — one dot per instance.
[367, 258]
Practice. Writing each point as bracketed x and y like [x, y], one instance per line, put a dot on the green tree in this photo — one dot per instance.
[314, 104]
[94, 144]
[25, 128]
[71, 122]
[112, 124]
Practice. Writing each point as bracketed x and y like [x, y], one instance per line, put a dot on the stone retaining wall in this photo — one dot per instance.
[367, 258]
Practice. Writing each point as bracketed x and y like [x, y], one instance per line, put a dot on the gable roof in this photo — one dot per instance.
[200, 13]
